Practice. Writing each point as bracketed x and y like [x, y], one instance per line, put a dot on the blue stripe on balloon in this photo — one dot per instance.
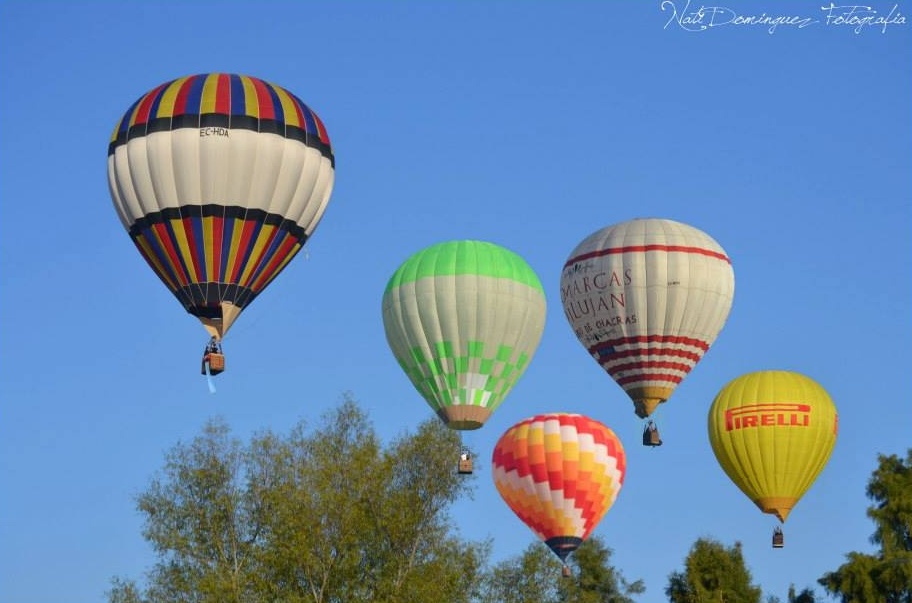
[195, 95]
[238, 99]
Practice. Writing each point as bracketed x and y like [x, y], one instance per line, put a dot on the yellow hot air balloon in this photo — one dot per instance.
[773, 432]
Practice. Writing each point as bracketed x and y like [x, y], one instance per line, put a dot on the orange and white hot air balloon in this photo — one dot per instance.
[773, 432]
[560, 473]
[647, 298]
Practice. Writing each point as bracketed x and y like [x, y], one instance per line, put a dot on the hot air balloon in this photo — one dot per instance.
[463, 319]
[647, 298]
[560, 473]
[773, 432]
[219, 179]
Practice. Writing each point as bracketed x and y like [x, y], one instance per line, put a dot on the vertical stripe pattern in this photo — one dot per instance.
[226, 100]
[219, 179]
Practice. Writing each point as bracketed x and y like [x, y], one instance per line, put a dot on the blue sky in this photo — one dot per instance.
[528, 124]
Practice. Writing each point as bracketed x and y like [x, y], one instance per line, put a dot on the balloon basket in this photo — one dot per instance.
[778, 539]
[465, 463]
[651, 435]
[216, 363]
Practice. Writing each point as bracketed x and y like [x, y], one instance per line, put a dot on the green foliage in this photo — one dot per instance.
[535, 577]
[713, 573]
[323, 516]
[885, 577]
[805, 596]
[201, 523]
[124, 591]
[890, 488]
[531, 577]
[594, 580]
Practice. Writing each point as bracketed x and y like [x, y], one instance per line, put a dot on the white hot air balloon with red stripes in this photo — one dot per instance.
[647, 298]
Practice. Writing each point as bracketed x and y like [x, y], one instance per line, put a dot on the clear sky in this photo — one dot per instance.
[528, 124]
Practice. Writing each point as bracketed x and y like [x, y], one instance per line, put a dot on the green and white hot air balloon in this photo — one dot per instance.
[463, 319]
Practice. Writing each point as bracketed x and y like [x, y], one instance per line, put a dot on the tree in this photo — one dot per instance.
[531, 577]
[322, 517]
[594, 579]
[201, 523]
[713, 573]
[805, 596]
[886, 576]
[535, 577]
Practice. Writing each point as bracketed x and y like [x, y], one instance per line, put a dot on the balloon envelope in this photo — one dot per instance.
[560, 473]
[463, 319]
[219, 179]
[773, 432]
[647, 298]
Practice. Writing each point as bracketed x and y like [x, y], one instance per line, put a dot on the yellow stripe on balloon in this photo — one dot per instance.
[256, 253]
[183, 247]
[289, 107]
[251, 105]
[169, 97]
[209, 268]
[234, 248]
[266, 276]
[178, 271]
[209, 96]
[156, 264]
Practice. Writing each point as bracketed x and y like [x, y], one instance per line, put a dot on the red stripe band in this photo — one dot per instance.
[652, 247]
[647, 352]
[649, 377]
[697, 343]
[672, 366]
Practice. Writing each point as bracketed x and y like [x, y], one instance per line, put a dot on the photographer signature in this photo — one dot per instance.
[854, 16]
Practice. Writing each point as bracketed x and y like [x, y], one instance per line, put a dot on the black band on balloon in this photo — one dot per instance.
[204, 299]
[219, 120]
[563, 545]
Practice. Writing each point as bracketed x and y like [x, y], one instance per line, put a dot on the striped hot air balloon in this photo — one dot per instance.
[647, 298]
[773, 432]
[560, 473]
[463, 319]
[219, 179]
